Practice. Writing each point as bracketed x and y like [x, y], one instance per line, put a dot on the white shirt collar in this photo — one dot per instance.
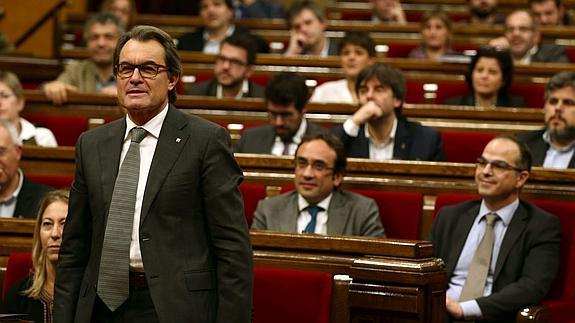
[28, 130]
[302, 203]
[547, 139]
[244, 90]
[153, 126]
[527, 58]
[14, 194]
[391, 133]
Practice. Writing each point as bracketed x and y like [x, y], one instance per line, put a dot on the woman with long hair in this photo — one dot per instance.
[34, 294]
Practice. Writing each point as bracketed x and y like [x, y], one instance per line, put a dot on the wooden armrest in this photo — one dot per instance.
[535, 313]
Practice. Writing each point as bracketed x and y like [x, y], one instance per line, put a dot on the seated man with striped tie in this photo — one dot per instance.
[286, 96]
[501, 253]
[318, 205]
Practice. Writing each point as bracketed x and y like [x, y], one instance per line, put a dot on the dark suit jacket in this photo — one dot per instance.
[412, 142]
[209, 88]
[348, 214]
[527, 261]
[538, 147]
[195, 41]
[261, 9]
[193, 234]
[260, 140]
[502, 101]
[28, 201]
[550, 53]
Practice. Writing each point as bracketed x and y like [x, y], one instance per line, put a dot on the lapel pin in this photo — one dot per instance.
[178, 140]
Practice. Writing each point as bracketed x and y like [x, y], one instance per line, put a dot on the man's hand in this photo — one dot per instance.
[57, 91]
[396, 13]
[499, 42]
[368, 111]
[297, 44]
[453, 308]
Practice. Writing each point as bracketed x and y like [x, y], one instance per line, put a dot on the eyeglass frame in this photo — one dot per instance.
[158, 68]
[497, 165]
[232, 61]
[316, 166]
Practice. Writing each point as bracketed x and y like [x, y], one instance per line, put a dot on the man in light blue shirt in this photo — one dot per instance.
[553, 146]
[518, 242]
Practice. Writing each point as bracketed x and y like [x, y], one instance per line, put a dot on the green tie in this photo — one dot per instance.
[113, 280]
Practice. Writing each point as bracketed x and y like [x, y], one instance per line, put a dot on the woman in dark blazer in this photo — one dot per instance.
[489, 79]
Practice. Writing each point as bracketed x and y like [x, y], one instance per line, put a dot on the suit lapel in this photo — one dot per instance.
[572, 162]
[401, 142]
[290, 215]
[172, 140]
[338, 214]
[516, 227]
[460, 235]
[109, 151]
[540, 150]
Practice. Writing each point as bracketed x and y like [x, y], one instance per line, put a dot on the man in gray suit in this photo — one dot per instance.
[232, 69]
[189, 257]
[286, 97]
[554, 145]
[523, 39]
[318, 205]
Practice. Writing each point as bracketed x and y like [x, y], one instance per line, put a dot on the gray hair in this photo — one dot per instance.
[559, 81]
[103, 18]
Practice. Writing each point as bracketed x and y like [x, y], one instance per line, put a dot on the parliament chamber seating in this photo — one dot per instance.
[19, 266]
[561, 298]
[464, 147]
[532, 93]
[287, 295]
[252, 194]
[66, 128]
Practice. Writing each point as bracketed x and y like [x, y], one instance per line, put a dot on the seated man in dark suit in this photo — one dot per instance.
[19, 197]
[523, 39]
[554, 146]
[307, 22]
[286, 96]
[501, 253]
[218, 23]
[377, 130]
[318, 205]
[232, 69]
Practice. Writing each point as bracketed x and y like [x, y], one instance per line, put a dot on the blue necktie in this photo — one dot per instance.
[313, 210]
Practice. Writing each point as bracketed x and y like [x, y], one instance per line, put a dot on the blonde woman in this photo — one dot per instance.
[34, 294]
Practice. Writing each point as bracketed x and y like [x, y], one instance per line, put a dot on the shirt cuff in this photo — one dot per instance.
[350, 128]
[471, 310]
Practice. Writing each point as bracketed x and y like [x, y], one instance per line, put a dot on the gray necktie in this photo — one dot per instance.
[479, 268]
[113, 280]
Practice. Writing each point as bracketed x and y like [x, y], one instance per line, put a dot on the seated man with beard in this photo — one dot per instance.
[554, 145]
[232, 69]
[484, 12]
[286, 96]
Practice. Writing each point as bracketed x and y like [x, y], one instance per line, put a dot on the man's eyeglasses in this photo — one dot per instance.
[496, 165]
[233, 62]
[316, 166]
[147, 71]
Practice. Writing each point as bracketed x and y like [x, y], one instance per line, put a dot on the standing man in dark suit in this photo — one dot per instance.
[19, 197]
[377, 130]
[218, 23]
[501, 253]
[189, 256]
[554, 146]
[318, 205]
[286, 96]
[232, 69]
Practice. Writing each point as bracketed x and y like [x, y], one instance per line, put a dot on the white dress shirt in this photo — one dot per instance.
[279, 145]
[147, 149]
[304, 217]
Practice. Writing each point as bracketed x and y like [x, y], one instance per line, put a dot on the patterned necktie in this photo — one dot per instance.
[113, 280]
[313, 211]
[479, 268]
